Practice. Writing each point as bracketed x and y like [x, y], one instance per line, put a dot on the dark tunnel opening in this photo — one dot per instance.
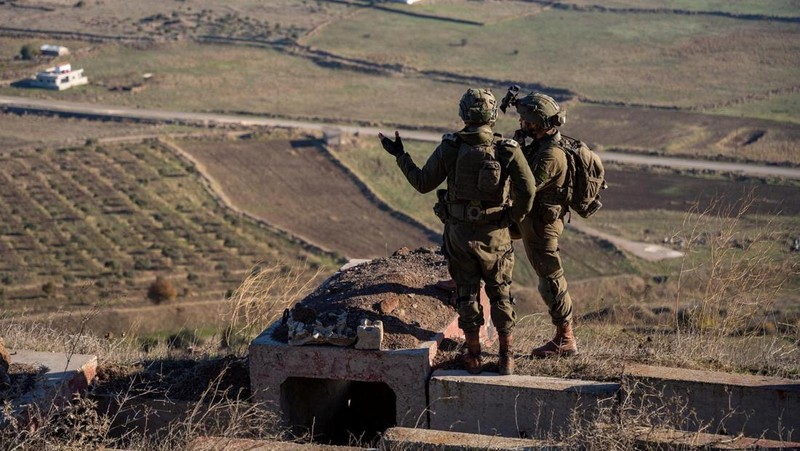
[338, 412]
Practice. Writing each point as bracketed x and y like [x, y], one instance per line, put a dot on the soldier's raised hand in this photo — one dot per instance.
[395, 148]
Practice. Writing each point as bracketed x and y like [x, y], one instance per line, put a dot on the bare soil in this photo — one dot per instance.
[684, 133]
[669, 190]
[400, 291]
[294, 185]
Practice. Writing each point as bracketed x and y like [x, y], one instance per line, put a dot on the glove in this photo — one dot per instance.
[395, 148]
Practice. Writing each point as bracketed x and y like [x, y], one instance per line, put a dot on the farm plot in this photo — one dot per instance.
[154, 19]
[649, 190]
[95, 225]
[296, 186]
[786, 8]
[653, 59]
[27, 131]
[256, 81]
[681, 133]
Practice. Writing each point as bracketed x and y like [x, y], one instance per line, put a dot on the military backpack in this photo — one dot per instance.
[585, 177]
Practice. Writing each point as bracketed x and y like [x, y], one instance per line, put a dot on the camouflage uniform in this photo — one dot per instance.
[477, 249]
[542, 228]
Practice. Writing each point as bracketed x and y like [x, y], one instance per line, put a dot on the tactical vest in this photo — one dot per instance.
[479, 176]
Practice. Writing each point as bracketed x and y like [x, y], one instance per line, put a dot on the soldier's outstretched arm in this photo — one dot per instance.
[429, 176]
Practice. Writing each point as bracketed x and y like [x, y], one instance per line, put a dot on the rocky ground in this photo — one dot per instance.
[399, 290]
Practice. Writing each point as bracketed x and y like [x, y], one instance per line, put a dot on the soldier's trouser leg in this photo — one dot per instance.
[497, 258]
[541, 247]
[482, 252]
[464, 268]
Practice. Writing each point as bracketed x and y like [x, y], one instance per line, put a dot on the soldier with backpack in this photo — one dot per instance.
[482, 173]
[568, 175]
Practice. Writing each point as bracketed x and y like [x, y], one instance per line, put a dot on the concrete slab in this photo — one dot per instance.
[515, 406]
[234, 444]
[408, 439]
[66, 374]
[695, 400]
[667, 440]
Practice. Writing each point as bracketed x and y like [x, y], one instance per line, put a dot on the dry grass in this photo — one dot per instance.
[663, 59]
[261, 299]
[132, 375]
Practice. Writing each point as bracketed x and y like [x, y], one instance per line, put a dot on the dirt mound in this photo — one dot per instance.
[226, 377]
[399, 290]
[5, 362]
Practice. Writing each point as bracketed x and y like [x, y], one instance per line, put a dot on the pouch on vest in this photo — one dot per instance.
[479, 176]
[440, 207]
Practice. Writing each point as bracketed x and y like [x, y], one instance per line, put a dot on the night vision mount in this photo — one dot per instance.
[510, 98]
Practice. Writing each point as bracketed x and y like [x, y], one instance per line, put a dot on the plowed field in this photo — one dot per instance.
[295, 185]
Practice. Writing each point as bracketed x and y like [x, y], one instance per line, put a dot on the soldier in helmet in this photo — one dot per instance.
[539, 119]
[482, 172]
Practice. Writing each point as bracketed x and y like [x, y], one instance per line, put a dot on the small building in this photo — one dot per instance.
[60, 77]
[53, 50]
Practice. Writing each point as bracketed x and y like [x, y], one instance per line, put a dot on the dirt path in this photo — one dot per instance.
[646, 251]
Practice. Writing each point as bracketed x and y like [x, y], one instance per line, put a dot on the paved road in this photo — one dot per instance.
[643, 250]
[208, 118]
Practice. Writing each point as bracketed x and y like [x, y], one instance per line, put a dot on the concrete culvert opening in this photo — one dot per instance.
[338, 412]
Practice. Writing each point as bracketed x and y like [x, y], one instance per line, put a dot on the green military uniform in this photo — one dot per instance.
[476, 237]
[542, 228]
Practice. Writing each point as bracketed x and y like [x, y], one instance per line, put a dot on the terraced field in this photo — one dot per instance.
[95, 225]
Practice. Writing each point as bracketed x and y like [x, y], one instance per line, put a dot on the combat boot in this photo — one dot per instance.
[472, 358]
[506, 362]
[563, 344]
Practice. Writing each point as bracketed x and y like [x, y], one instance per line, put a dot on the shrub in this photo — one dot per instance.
[48, 288]
[161, 291]
[184, 339]
[28, 52]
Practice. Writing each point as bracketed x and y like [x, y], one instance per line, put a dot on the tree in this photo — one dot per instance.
[28, 52]
[161, 291]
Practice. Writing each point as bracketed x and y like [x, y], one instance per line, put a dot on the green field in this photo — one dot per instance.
[783, 107]
[643, 59]
[786, 8]
[197, 77]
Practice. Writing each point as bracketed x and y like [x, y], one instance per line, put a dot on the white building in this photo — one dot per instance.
[59, 77]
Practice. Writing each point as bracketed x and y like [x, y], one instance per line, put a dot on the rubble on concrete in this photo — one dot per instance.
[400, 291]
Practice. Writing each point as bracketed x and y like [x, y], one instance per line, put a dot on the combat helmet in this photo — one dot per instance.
[478, 107]
[541, 110]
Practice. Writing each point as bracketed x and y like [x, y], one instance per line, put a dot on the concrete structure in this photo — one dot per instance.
[240, 444]
[59, 78]
[668, 440]
[335, 389]
[515, 406]
[695, 400]
[408, 439]
[64, 376]
[53, 50]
